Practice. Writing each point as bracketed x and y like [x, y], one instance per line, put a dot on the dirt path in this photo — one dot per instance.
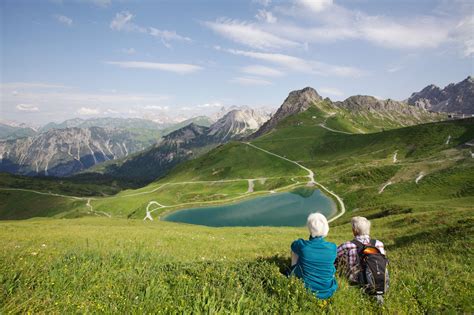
[312, 182]
[448, 140]
[385, 186]
[251, 185]
[420, 176]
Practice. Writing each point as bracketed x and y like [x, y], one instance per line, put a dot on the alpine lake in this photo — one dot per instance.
[276, 209]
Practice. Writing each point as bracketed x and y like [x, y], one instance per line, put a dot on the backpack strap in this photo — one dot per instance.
[359, 245]
[373, 242]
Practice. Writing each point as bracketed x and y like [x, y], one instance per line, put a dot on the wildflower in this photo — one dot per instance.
[43, 245]
[34, 253]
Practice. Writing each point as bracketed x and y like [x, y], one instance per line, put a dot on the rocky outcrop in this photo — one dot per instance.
[455, 98]
[296, 102]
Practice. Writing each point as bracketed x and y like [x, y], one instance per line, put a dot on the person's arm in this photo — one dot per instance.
[294, 258]
[295, 251]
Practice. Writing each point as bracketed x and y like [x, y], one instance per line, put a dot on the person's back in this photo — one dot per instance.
[313, 259]
[316, 265]
[358, 259]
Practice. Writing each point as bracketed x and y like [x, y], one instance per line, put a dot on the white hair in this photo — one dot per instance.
[361, 226]
[317, 225]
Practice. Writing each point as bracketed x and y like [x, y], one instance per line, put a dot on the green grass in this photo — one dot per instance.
[130, 266]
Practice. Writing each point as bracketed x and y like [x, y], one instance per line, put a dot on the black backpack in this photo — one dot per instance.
[373, 272]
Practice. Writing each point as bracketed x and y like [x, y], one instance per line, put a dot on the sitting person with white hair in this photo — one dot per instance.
[313, 260]
[347, 253]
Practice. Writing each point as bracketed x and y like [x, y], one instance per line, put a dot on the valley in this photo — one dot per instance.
[414, 185]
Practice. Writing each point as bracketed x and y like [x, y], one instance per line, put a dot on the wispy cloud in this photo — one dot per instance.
[180, 68]
[314, 5]
[265, 16]
[63, 19]
[326, 21]
[301, 65]
[27, 108]
[210, 105]
[262, 71]
[250, 81]
[123, 22]
[249, 34]
[87, 111]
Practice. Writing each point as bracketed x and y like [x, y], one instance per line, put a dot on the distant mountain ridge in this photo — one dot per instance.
[61, 152]
[454, 98]
[105, 122]
[184, 144]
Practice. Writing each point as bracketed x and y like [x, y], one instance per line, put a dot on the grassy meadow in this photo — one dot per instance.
[130, 266]
[99, 264]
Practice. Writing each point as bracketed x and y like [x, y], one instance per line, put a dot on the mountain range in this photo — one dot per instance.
[455, 98]
[183, 144]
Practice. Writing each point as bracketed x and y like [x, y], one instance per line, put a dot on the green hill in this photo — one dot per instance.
[416, 184]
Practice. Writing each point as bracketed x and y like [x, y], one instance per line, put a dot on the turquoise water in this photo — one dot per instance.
[280, 209]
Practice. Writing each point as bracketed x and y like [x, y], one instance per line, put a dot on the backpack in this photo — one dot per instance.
[373, 272]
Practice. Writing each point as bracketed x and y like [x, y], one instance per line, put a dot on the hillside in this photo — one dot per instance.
[415, 184]
[356, 114]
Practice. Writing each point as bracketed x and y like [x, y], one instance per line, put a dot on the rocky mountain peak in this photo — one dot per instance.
[454, 98]
[297, 102]
[238, 123]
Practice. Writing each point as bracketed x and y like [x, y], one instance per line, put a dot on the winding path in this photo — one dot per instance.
[385, 186]
[312, 182]
[420, 176]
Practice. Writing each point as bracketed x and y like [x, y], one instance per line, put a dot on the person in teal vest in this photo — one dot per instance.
[313, 260]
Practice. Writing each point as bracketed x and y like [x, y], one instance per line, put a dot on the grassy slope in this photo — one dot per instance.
[427, 228]
[114, 265]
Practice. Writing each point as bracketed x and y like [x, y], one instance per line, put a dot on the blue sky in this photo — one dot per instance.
[169, 60]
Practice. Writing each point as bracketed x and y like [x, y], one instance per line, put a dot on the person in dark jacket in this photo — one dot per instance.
[313, 260]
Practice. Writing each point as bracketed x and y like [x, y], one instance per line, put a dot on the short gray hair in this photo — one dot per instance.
[317, 225]
[360, 225]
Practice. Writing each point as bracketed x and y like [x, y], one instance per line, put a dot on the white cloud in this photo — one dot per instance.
[123, 22]
[180, 68]
[209, 105]
[167, 35]
[86, 111]
[329, 22]
[265, 16]
[27, 108]
[394, 69]
[301, 65]
[262, 71]
[464, 34]
[249, 34]
[63, 19]
[330, 91]
[157, 107]
[315, 5]
[250, 81]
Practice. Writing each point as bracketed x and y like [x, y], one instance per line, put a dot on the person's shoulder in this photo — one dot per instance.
[331, 245]
[298, 243]
[378, 243]
[347, 244]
